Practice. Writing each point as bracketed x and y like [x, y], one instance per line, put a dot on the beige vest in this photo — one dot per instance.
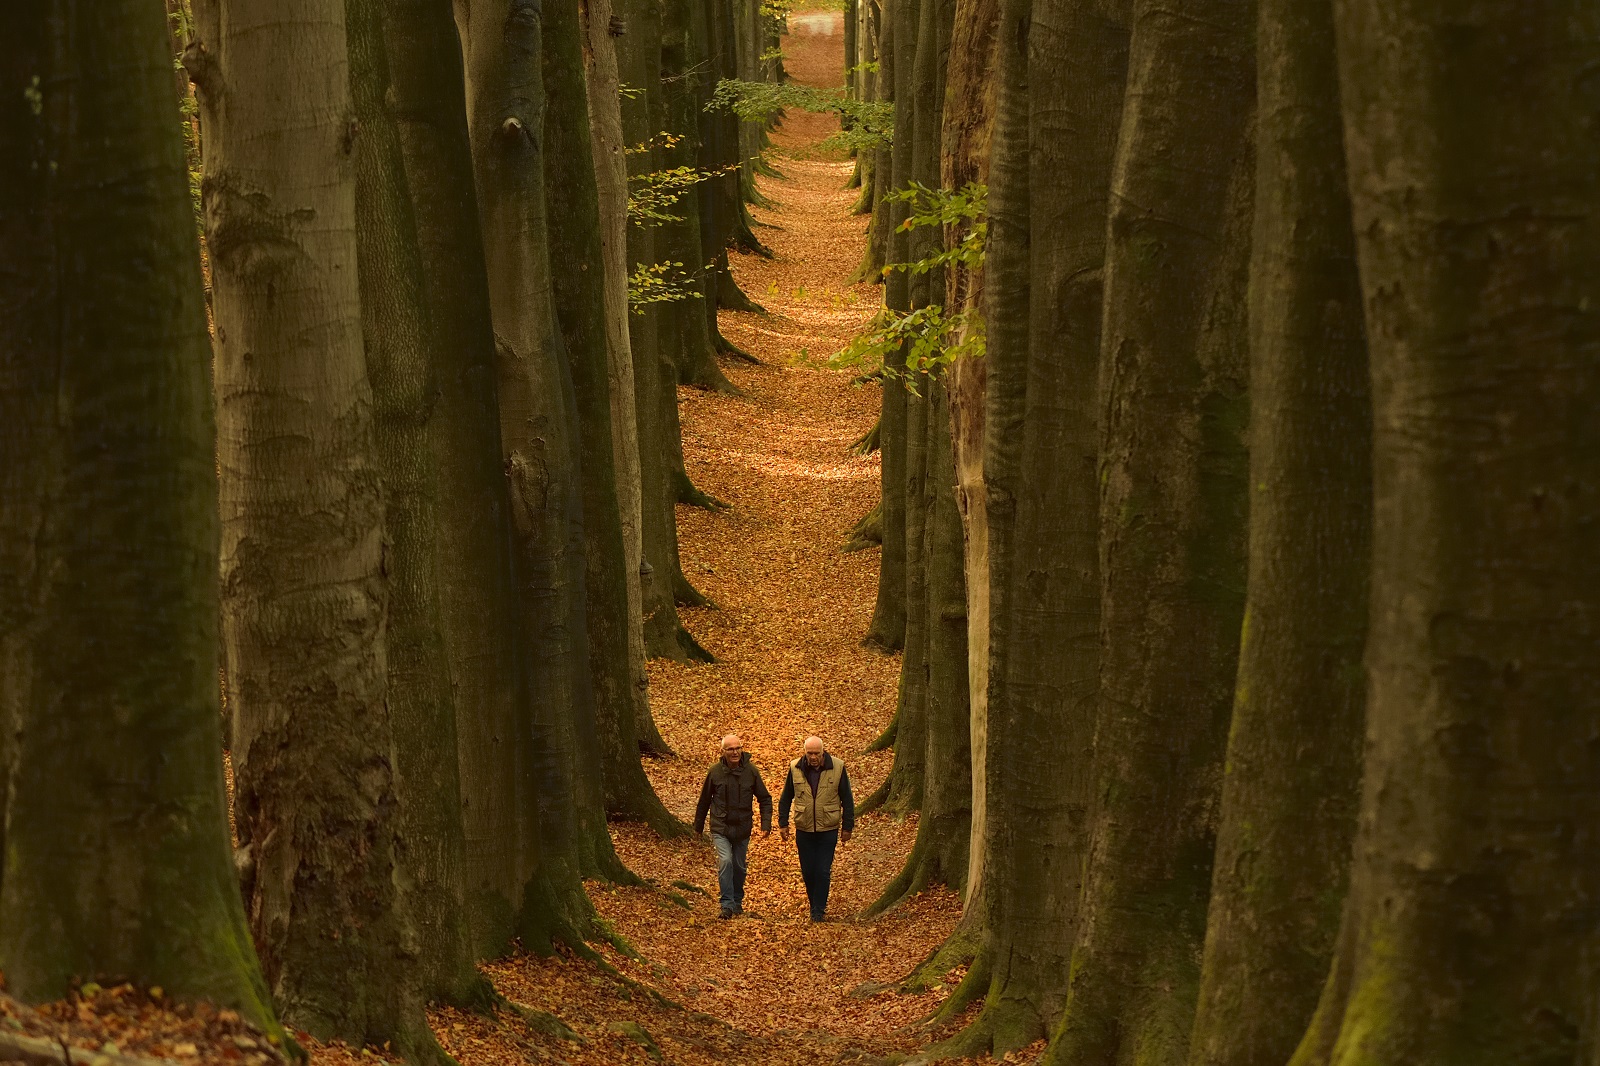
[826, 810]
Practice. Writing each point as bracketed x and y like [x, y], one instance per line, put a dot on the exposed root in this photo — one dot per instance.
[687, 595]
[872, 440]
[732, 298]
[866, 533]
[879, 797]
[686, 493]
[885, 739]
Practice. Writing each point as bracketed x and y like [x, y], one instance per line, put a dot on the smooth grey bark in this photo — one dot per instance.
[889, 616]
[1294, 751]
[305, 604]
[1050, 178]
[459, 403]
[521, 779]
[1172, 528]
[580, 305]
[405, 354]
[114, 855]
[654, 371]
[1469, 934]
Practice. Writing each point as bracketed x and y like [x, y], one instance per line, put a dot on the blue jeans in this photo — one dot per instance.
[730, 870]
[816, 867]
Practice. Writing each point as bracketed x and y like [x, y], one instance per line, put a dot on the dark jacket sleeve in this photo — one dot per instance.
[701, 808]
[849, 801]
[764, 798]
[786, 800]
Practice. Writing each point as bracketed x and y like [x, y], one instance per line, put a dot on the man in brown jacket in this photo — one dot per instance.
[824, 814]
[730, 787]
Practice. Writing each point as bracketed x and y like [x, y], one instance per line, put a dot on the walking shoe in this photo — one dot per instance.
[725, 914]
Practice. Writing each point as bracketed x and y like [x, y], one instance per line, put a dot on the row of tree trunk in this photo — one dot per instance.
[1252, 571]
[412, 498]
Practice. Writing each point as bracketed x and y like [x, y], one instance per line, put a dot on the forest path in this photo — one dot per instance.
[791, 611]
[769, 988]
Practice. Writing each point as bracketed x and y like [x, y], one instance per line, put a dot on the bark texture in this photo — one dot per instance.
[1294, 750]
[1469, 936]
[601, 80]
[1172, 520]
[304, 603]
[472, 551]
[115, 846]
[574, 220]
[517, 775]
[399, 343]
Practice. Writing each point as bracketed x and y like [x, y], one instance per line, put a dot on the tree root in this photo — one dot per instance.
[732, 298]
[867, 532]
[886, 738]
[872, 440]
[1003, 1026]
[687, 595]
[879, 797]
[686, 493]
[964, 947]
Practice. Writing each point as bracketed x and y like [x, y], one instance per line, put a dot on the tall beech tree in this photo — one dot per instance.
[1172, 527]
[521, 780]
[655, 375]
[888, 627]
[580, 306]
[438, 423]
[603, 98]
[1063, 66]
[115, 831]
[304, 604]
[1294, 749]
[1469, 935]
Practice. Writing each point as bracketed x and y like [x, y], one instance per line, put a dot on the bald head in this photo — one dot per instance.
[732, 749]
[814, 751]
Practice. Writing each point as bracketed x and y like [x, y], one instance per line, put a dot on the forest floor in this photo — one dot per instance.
[790, 610]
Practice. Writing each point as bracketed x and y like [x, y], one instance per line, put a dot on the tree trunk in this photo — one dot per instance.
[424, 318]
[1294, 749]
[967, 136]
[305, 604]
[1469, 937]
[655, 376]
[1053, 146]
[114, 839]
[611, 186]
[889, 616]
[574, 219]
[686, 324]
[1172, 528]
[521, 783]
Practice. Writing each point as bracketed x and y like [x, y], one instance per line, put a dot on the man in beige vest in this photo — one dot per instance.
[818, 789]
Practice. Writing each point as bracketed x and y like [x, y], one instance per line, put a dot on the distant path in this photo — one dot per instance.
[787, 633]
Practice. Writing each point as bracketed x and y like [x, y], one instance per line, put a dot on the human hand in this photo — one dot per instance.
[844, 836]
[783, 831]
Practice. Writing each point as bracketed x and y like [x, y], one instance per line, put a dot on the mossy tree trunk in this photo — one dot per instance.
[1172, 527]
[601, 78]
[1294, 750]
[1469, 935]
[898, 43]
[115, 840]
[967, 136]
[305, 605]
[521, 780]
[429, 352]
[655, 374]
[574, 228]
[1063, 67]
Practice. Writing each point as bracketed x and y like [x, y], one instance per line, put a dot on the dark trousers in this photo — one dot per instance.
[816, 866]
